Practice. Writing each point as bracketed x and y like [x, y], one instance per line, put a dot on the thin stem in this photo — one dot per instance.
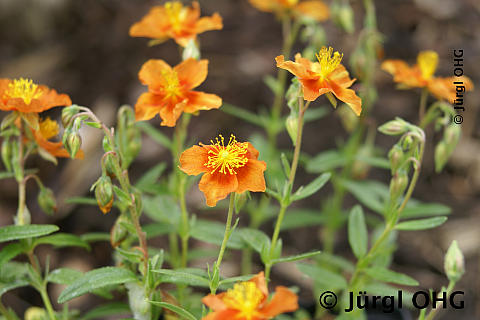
[423, 104]
[432, 312]
[21, 180]
[185, 223]
[47, 304]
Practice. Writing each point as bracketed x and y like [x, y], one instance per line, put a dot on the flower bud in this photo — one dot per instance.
[292, 127]
[138, 301]
[398, 184]
[118, 233]
[394, 127]
[191, 51]
[7, 153]
[342, 15]
[454, 264]
[72, 142]
[441, 156]
[35, 313]
[451, 135]
[46, 201]
[104, 193]
[68, 113]
[396, 157]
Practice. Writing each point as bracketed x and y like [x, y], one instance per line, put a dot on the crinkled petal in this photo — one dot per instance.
[147, 106]
[250, 177]
[215, 302]
[252, 153]
[209, 23]
[312, 89]
[283, 301]
[196, 100]
[217, 186]
[403, 73]
[50, 98]
[348, 96]
[170, 113]
[153, 25]
[296, 68]
[314, 9]
[191, 72]
[192, 160]
[263, 5]
[152, 73]
[259, 280]
[341, 77]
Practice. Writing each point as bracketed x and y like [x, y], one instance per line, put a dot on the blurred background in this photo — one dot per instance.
[82, 48]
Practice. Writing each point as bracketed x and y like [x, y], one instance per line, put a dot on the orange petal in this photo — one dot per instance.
[191, 72]
[192, 160]
[259, 280]
[250, 177]
[312, 89]
[297, 68]
[147, 106]
[341, 77]
[152, 25]
[214, 302]
[49, 99]
[263, 5]
[283, 301]
[209, 23]
[403, 73]
[314, 9]
[170, 113]
[217, 186]
[228, 314]
[445, 88]
[348, 96]
[197, 100]
[152, 72]
[252, 153]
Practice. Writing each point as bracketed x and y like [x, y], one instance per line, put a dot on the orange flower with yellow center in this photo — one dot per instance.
[248, 301]
[170, 90]
[226, 168]
[314, 9]
[25, 96]
[324, 76]
[175, 21]
[421, 76]
[48, 129]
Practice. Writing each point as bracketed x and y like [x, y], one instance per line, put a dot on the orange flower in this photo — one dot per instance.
[248, 301]
[24, 96]
[421, 76]
[175, 21]
[326, 75]
[230, 168]
[48, 129]
[170, 91]
[314, 9]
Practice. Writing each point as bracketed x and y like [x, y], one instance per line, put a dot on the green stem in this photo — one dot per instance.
[21, 180]
[423, 104]
[185, 225]
[47, 304]
[432, 313]
[174, 255]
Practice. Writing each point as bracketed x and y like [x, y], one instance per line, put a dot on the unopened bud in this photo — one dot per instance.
[441, 155]
[104, 193]
[342, 15]
[35, 313]
[398, 184]
[396, 157]
[46, 201]
[72, 142]
[7, 153]
[454, 262]
[451, 135]
[191, 50]
[68, 113]
[293, 94]
[118, 233]
[292, 127]
[394, 127]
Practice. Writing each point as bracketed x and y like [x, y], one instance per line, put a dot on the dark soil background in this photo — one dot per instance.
[82, 48]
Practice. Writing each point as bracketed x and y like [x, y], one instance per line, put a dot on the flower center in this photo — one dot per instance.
[427, 62]
[49, 128]
[226, 159]
[328, 61]
[288, 3]
[244, 297]
[171, 85]
[176, 14]
[24, 89]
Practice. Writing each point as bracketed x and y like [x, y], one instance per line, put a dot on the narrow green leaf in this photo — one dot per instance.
[64, 276]
[272, 83]
[311, 188]
[185, 276]
[10, 251]
[386, 275]
[357, 232]
[109, 309]
[371, 194]
[95, 236]
[296, 257]
[229, 281]
[242, 113]
[95, 279]
[4, 287]
[155, 134]
[313, 114]
[382, 289]
[162, 208]
[326, 161]
[212, 232]
[92, 124]
[374, 161]
[9, 233]
[421, 224]
[150, 177]
[254, 238]
[82, 200]
[325, 277]
[298, 218]
[156, 229]
[178, 310]
[61, 240]
[415, 209]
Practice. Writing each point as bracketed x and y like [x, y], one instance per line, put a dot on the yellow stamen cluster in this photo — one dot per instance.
[244, 297]
[171, 84]
[24, 89]
[328, 60]
[176, 14]
[49, 128]
[226, 159]
[427, 62]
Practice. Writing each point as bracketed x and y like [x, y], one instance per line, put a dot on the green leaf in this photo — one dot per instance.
[64, 276]
[95, 236]
[297, 257]
[9, 233]
[155, 134]
[371, 194]
[311, 188]
[357, 232]
[242, 113]
[178, 310]
[255, 238]
[227, 282]
[386, 275]
[336, 262]
[272, 83]
[374, 161]
[421, 224]
[109, 309]
[187, 276]
[415, 209]
[382, 289]
[212, 232]
[325, 277]
[313, 114]
[4, 287]
[162, 208]
[156, 229]
[82, 200]
[298, 218]
[124, 198]
[150, 177]
[95, 279]
[61, 240]
[131, 255]
[10, 251]
[326, 161]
